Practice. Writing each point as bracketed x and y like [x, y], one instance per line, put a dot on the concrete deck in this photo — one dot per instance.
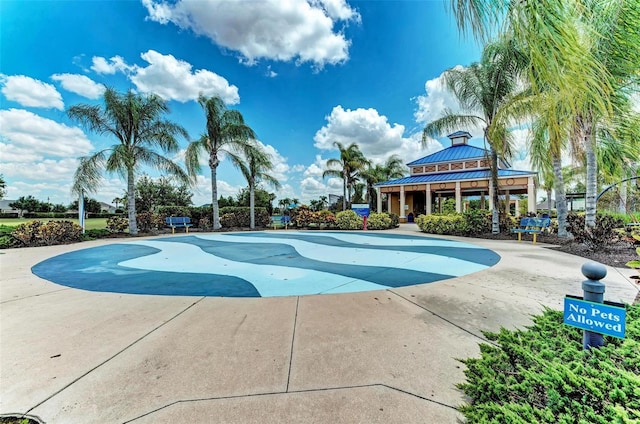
[389, 356]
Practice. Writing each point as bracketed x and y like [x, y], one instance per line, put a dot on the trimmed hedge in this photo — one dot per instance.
[349, 220]
[378, 221]
[542, 375]
[38, 233]
[240, 217]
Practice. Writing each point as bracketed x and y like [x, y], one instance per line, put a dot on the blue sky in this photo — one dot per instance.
[303, 73]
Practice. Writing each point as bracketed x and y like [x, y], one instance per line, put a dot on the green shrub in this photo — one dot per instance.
[198, 213]
[395, 220]
[476, 222]
[542, 375]
[117, 224]
[240, 217]
[441, 224]
[7, 241]
[303, 216]
[37, 233]
[327, 218]
[378, 221]
[96, 233]
[149, 221]
[173, 210]
[594, 238]
[205, 223]
[349, 220]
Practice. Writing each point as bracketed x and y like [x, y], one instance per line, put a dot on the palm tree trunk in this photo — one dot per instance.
[561, 198]
[592, 176]
[549, 201]
[495, 213]
[131, 200]
[213, 164]
[252, 200]
[344, 192]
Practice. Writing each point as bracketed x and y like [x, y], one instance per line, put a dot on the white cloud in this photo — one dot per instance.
[30, 92]
[202, 190]
[298, 168]
[173, 79]
[311, 188]
[436, 100]
[272, 29]
[281, 168]
[42, 170]
[80, 84]
[26, 130]
[635, 102]
[373, 134]
[103, 66]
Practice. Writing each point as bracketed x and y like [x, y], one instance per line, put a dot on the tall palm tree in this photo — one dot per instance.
[484, 90]
[136, 122]
[351, 162]
[255, 169]
[226, 133]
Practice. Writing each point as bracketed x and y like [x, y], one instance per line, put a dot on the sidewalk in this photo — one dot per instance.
[72, 356]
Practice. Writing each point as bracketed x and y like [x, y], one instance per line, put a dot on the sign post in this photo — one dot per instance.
[361, 209]
[592, 313]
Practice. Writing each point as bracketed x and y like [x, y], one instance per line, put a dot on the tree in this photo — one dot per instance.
[226, 132]
[263, 198]
[28, 203]
[90, 205]
[392, 168]
[152, 193]
[351, 162]
[3, 187]
[255, 170]
[136, 122]
[484, 91]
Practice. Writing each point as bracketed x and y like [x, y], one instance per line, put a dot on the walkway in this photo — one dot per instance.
[386, 356]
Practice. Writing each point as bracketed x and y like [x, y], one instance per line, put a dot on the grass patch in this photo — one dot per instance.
[89, 224]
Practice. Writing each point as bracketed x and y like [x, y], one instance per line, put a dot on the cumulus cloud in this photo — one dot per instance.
[103, 66]
[25, 130]
[80, 84]
[301, 30]
[281, 168]
[42, 170]
[376, 138]
[436, 100]
[170, 78]
[30, 92]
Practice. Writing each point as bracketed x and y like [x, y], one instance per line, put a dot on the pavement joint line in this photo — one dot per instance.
[627, 279]
[114, 355]
[325, 389]
[293, 338]
[35, 295]
[445, 319]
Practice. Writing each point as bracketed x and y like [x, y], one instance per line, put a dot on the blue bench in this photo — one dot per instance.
[178, 222]
[531, 226]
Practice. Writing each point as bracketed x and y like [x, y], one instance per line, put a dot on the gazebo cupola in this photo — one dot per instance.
[459, 137]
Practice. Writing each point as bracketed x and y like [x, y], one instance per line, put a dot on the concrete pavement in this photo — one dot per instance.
[388, 356]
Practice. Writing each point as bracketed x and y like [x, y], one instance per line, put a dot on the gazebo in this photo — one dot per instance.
[459, 171]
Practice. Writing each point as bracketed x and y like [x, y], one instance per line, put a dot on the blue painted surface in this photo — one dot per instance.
[256, 264]
[463, 151]
[453, 176]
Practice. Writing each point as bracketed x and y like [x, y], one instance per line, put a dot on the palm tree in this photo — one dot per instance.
[255, 168]
[484, 91]
[136, 122]
[372, 174]
[226, 133]
[351, 162]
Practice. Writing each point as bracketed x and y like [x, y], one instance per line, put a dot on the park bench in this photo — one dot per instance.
[531, 226]
[178, 222]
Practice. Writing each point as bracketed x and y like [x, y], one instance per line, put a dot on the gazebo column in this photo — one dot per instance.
[402, 200]
[389, 196]
[428, 200]
[483, 206]
[439, 202]
[517, 207]
[378, 200]
[458, 198]
[531, 195]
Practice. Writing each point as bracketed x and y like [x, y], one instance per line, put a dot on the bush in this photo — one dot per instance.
[240, 216]
[441, 224]
[117, 224]
[149, 221]
[303, 217]
[44, 215]
[7, 241]
[327, 218]
[96, 233]
[349, 220]
[36, 233]
[173, 210]
[594, 238]
[476, 222]
[395, 220]
[378, 221]
[205, 223]
[198, 213]
[542, 375]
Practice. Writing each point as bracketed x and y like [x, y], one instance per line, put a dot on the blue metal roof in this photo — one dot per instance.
[462, 151]
[454, 176]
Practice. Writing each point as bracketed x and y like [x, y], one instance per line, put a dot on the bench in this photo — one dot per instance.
[178, 222]
[531, 226]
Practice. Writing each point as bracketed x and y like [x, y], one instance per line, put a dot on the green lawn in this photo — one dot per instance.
[89, 224]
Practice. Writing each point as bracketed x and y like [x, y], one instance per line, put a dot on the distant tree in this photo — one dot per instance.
[135, 120]
[3, 187]
[226, 201]
[226, 132]
[263, 199]
[347, 167]
[90, 205]
[58, 208]
[152, 193]
[26, 204]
